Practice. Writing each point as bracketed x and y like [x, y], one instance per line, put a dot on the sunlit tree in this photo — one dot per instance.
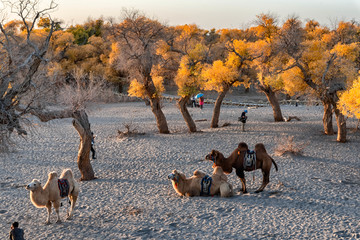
[326, 65]
[136, 43]
[349, 101]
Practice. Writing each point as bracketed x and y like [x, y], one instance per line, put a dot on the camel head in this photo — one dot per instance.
[33, 185]
[175, 176]
[216, 157]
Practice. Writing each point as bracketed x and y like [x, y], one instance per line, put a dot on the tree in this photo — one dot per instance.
[268, 63]
[135, 52]
[184, 52]
[221, 76]
[349, 101]
[22, 50]
[73, 99]
[325, 65]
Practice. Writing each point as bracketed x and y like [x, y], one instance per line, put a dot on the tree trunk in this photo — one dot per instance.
[327, 118]
[82, 126]
[185, 113]
[274, 103]
[217, 106]
[159, 115]
[340, 120]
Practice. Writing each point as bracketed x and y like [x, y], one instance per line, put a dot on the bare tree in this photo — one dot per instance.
[24, 84]
[22, 52]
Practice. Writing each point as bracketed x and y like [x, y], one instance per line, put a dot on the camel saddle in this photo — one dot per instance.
[205, 186]
[64, 187]
[250, 160]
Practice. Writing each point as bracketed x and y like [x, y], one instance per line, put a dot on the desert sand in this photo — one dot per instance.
[313, 196]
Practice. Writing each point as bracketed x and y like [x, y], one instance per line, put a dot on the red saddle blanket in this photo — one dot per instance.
[63, 187]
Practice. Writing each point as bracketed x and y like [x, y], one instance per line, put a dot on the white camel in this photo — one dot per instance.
[54, 190]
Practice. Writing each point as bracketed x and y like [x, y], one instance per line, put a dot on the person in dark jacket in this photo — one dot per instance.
[243, 119]
[92, 145]
[16, 233]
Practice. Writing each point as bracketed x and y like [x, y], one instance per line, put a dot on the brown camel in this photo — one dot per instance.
[244, 160]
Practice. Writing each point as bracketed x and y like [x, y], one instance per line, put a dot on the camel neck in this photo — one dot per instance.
[39, 197]
[182, 187]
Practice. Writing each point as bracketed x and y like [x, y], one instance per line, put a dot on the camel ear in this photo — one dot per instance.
[214, 153]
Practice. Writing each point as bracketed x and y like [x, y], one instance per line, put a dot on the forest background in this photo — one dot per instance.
[52, 71]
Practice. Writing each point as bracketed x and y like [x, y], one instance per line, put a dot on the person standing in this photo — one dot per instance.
[92, 145]
[243, 119]
[201, 102]
[16, 233]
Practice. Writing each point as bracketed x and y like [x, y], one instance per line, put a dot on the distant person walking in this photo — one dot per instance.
[193, 101]
[243, 119]
[201, 102]
[16, 233]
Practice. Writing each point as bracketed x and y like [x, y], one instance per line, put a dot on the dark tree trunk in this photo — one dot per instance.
[159, 115]
[217, 106]
[185, 113]
[327, 117]
[82, 126]
[274, 103]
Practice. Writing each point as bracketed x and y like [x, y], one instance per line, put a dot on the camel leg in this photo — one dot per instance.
[266, 180]
[241, 175]
[57, 207]
[73, 202]
[48, 206]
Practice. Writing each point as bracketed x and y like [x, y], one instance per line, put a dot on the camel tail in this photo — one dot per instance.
[273, 161]
[67, 173]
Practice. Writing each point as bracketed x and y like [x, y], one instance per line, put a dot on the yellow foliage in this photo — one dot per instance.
[293, 82]
[158, 83]
[217, 75]
[137, 89]
[275, 81]
[349, 102]
[349, 51]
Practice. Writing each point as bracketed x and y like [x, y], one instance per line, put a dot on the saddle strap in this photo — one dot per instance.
[205, 185]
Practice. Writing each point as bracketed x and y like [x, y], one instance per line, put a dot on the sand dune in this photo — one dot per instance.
[313, 196]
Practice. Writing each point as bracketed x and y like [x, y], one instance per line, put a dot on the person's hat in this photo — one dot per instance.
[245, 111]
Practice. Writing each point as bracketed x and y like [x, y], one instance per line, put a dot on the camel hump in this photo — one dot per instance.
[67, 173]
[260, 147]
[199, 173]
[53, 175]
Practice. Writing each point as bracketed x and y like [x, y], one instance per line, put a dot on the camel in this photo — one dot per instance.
[238, 160]
[54, 190]
[201, 184]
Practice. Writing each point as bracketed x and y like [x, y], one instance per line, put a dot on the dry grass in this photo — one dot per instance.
[130, 131]
[286, 145]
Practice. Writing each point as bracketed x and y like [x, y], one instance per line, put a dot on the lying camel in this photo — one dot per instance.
[239, 159]
[201, 184]
[54, 190]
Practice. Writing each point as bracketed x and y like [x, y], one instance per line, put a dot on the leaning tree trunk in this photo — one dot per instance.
[327, 117]
[185, 113]
[340, 120]
[217, 106]
[274, 103]
[82, 126]
[159, 115]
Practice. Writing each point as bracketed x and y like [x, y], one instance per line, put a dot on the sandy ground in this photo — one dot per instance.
[312, 196]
